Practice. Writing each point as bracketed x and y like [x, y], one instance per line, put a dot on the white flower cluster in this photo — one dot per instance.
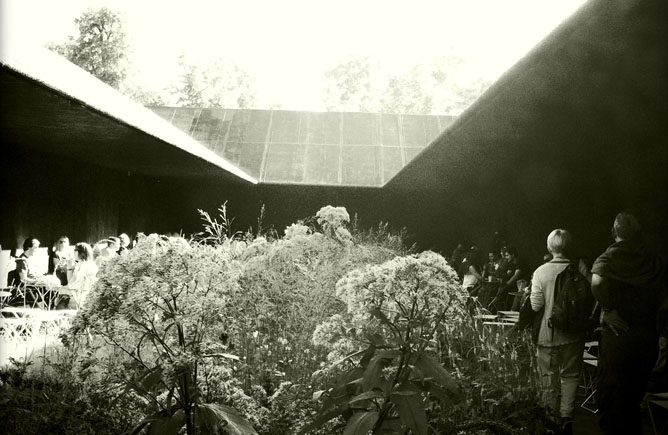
[296, 230]
[415, 294]
[333, 221]
[333, 217]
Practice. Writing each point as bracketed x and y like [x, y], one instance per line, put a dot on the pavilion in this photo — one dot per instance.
[574, 132]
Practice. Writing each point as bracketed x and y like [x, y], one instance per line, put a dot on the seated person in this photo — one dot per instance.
[489, 270]
[23, 273]
[81, 276]
[124, 244]
[514, 271]
[107, 249]
[58, 258]
[470, 270]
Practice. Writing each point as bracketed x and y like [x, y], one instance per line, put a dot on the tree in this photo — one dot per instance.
[220, 84]
[455, 87]
[446, 85]
[143, 96]
[100, 48]
[350, 87]
[409, 93]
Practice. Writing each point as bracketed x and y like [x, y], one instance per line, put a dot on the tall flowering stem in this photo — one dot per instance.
[388, 337]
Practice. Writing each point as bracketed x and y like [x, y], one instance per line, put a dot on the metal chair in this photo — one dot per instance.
[589, 367]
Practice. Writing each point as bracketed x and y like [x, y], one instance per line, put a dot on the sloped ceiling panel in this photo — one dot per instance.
[310, 148]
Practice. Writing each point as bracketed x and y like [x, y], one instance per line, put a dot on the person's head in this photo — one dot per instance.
[626, 227]
[473, 255]
[124, 240]
[511, 253]
[84, 251]
[114, 243]
[63, 243]
[559, 242]
[491, 256]
[30, 245]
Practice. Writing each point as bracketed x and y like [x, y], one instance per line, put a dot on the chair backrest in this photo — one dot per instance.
[6, 265]
[40, 261]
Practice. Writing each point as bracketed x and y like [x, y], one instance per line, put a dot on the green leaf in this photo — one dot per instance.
[322, 418]
[160, 415]
[366, 396]
[347, 357]
[371, 377]
[376, 339]
[391, 426]
[368, 354]
[168, 425]
[152, 378]
[439, 392]
[433, 369]
[361, 423]
[411, 409]
[211, 416]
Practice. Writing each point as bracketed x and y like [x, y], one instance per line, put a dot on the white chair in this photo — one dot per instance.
[7, 264]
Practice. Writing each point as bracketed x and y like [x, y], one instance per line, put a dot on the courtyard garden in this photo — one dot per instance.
[327, 328]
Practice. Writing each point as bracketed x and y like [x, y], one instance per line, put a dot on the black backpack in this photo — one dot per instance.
[573, 302]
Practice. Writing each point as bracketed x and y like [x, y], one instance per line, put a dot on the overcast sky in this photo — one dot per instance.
[288, 45]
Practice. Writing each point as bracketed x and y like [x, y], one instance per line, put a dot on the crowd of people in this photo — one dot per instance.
[628, 287]
[73, 269]
[491, 281]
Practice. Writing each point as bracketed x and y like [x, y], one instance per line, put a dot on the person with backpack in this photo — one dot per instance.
[564, 296]
[628, 283]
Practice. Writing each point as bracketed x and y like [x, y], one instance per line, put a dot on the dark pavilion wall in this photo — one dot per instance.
[50, 197]
[46, 197]
[568, 137]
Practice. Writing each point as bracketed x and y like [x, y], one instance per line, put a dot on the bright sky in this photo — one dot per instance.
[288, 44]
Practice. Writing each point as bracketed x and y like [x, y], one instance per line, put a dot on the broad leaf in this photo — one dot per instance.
[411, 409]
[151, 419]
[347, 357]
[376, 339]
[361, 423]
[212, 416]
[372, 373]
[433, 369]
[436, 390]
[322, 418]
[391, 426]
[168, 425]
[358, 400]
[368, 354]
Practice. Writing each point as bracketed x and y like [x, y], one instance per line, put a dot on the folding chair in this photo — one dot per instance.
[659, 400]
[589, 367]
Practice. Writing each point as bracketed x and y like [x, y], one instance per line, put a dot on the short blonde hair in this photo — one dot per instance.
[559, 241]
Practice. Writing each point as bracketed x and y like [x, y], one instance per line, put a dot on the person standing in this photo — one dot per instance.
[559, 354]
[626, 281]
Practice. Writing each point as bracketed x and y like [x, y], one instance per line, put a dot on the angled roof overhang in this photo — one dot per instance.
[52, 106]
[589, 103]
